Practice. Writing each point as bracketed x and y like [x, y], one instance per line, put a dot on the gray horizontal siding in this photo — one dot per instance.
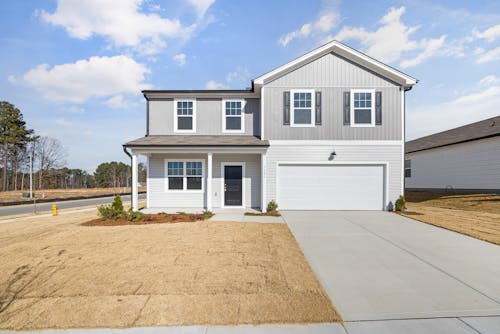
[332, 127]
[471, 165]
[392, 154]
[208, 117]
[160, 198]
[252, 177]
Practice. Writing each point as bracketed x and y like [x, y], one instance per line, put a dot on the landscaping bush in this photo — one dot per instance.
[207, 214]
[400, 203]
[134, 216]
[272, 206]
[113, 211]
[117, 204]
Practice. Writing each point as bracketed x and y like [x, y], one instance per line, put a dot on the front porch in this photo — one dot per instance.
[197, 176]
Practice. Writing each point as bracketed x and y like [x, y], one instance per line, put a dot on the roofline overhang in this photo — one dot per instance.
[449, 144]
[335, 46]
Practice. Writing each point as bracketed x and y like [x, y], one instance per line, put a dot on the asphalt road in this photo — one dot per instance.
[40, 207]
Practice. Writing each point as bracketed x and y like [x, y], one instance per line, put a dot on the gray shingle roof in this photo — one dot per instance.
[483, 129]
[197, 140]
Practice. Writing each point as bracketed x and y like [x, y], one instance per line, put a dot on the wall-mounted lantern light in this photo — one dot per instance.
[332, 156]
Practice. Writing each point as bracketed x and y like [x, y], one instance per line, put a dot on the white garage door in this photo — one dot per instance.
[330, 187]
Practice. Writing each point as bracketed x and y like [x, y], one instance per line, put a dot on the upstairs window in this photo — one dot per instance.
[362, 107]
[184, 175]
[302, 102]
[232, 117]
[185, 116]
[408, 168]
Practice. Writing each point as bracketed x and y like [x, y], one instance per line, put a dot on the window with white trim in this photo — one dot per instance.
[302, 108]
[362, 107]
[185, 115]
[184, 175]
[233, 120]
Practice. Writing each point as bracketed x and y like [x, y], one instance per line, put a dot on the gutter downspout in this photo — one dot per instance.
[130, 156]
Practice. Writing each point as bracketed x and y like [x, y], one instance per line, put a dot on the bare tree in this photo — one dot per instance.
[50, 154]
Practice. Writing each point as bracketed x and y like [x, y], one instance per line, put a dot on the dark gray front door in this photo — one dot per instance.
[233, 185]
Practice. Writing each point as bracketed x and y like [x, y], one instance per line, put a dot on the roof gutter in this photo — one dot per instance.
[130, 156]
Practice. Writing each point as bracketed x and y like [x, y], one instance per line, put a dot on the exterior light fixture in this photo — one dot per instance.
[332, 155]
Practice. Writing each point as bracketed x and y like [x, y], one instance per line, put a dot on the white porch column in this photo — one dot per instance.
[209, 181]
[135, 197]
[263, 164]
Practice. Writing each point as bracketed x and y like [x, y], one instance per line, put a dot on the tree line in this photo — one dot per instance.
[21, 148]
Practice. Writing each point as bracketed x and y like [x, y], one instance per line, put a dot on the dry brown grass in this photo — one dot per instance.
[16, 196]
[489, 203]
[58, 274]
[476, 215]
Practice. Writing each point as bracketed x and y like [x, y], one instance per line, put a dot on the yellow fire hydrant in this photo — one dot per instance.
[54, 210]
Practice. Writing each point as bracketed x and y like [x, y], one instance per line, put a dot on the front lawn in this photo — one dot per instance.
[59, 274]
[476, 215]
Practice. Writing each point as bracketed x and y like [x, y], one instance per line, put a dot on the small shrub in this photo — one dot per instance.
[134, 216]
[272, 206]
[113, 211]
[117, 204]
[207, 214]
[105, 212]
[400, 204]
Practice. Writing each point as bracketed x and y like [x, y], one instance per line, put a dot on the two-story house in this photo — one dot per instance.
[322, 132]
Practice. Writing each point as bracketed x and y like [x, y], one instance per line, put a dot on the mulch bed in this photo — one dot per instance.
[148, 219]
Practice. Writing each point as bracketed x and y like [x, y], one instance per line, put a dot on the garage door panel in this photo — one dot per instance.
[330, 187]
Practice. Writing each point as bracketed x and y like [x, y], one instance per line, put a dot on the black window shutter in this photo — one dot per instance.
[347, 108]
[286, 108]
[317, 117]
[378, 108]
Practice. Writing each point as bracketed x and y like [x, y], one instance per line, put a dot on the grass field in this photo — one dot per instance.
[57, 273]
[15, 196]
[476, 215]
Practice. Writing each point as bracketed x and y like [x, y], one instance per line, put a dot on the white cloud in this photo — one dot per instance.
[323, 24]
[431, 48]
[479, 96]
[488, 80]
[241, 74]
[74, 110]
[471, 107]
[63, 122]
[88, 78]
[116, 102]
[490, 34]
[489, 56]
[212, 84]
[121, 22]
[12, 79]
[180, 59]
[393, 39]
[201, 6]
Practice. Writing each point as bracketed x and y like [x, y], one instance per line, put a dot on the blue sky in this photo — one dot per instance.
[75, 68]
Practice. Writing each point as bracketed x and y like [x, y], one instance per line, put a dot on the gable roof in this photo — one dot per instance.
[343, 50]
[483, 129]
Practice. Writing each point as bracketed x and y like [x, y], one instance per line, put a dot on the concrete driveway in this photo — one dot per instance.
[381, 266]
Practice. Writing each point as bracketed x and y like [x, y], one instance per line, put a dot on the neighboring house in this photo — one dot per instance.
[324, 132]
[466, 158]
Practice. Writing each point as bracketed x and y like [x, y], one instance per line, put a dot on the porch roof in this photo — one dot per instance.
[197, 141]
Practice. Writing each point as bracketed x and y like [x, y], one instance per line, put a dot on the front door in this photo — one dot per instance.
[233, 186]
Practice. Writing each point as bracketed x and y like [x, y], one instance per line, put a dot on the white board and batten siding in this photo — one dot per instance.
[469, 165]
[359, 160]
[159, 197]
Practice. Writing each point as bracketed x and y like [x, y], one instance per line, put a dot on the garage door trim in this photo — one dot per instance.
[384, 164]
